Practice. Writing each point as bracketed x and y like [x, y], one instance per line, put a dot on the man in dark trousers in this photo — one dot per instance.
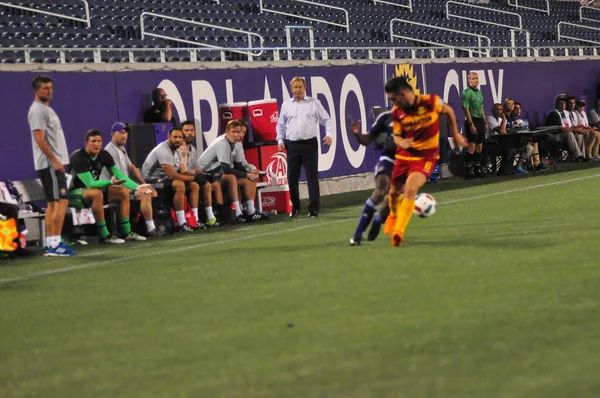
[297, 132]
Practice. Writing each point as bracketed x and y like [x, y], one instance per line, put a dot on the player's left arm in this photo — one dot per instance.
[452, 126]
[129, 184]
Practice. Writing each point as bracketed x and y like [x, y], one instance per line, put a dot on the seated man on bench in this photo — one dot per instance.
[248, 188]
[89, 190]
[218, 160]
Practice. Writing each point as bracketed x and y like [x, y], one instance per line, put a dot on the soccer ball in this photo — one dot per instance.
[424, 205]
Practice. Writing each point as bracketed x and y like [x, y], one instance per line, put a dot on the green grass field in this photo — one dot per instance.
[497, 295]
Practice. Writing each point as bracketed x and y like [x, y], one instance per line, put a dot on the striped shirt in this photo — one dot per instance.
[420, 122]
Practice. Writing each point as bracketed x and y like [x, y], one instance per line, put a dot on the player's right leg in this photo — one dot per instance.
[382, 186]
[54, 184]
[383, 169]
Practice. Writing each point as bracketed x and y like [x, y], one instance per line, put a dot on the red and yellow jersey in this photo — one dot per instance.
[420, 122]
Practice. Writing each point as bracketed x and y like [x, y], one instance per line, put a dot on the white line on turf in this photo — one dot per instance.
[174, 250]
[517, 190]
[242, 238]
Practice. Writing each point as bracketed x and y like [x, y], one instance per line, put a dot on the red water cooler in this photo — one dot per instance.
[264, 115]
[232, 111]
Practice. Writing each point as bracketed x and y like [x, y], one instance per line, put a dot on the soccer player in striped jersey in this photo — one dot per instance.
[416, 133]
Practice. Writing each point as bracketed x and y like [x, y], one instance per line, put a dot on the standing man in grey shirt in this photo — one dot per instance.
[116, 148]
[50, 155]
[297, 132]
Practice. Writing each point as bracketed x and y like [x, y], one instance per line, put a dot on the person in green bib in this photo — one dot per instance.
[90, 191]
[475, 126]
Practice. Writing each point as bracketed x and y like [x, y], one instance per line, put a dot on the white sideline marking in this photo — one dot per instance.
[516, 190]
[179, 249]
[174, 250]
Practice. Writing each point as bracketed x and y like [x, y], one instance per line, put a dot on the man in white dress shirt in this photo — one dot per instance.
[297, 132]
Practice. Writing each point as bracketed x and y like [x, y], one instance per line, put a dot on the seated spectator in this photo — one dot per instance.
[116, 149]
[218, 160]
[582, 135]
[532, 150]
[595, 116]
[91, 191]
[497, 126]
[559, 117]
[188, 166]
[508, 107]
[250, 187]
[594, 140]
[161, 109]
[161, 166]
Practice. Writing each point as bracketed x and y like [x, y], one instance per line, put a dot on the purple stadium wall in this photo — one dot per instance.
[84, 100]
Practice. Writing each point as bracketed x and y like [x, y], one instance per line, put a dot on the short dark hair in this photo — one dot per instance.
[580, 103]
[38, 80]
[173, 129]
[156, 94]
[233, 123]
[396, 84]
[571, 98]
[188, 122]
[92, 133]
[517, 103]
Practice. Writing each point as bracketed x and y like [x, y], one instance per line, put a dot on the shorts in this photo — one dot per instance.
[403, 168]
[479, 137]
[76, 198]
[54, 183]
[384, 166]
[167, 188]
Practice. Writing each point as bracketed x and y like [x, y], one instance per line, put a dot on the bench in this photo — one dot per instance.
[32, 191]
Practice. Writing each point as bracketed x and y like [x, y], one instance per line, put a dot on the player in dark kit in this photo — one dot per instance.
[416, 133]
[89, 190]
[383, 171]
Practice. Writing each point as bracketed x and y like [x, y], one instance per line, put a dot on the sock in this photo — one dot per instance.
[407, 207]
[209, 213]
[394, 203]
[477, 161]
[238, 210]
[52, 241]
[150, 226]
[365, 218]
[125, 226]
[250, 207]
[195, 210]
[102, 230]
[180, 217]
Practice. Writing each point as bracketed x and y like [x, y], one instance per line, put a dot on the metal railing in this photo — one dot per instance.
[582, 18]
[517, 6]
[478, 36]
[311, 38]
[564, 36]
[347, 25]
[249, 34]
[409, 5]
[103, 55]
[513, 29]
[86, 20]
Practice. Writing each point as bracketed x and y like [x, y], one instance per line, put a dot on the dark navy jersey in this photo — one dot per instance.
[81, 163]
[382, 131]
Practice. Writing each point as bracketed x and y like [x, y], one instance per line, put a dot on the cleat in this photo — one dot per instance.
[354, 241]
[313, 214]
[111, 240]
[294, 213]
[389, 225]
[242, 219]
[213, 223]
[132, 236]
[258, 216]
[59, 251]
[397, 239]
[198, 226]
[375, 228]
[185, 228]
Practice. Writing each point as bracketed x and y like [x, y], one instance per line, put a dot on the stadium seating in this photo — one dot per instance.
[116, 24]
